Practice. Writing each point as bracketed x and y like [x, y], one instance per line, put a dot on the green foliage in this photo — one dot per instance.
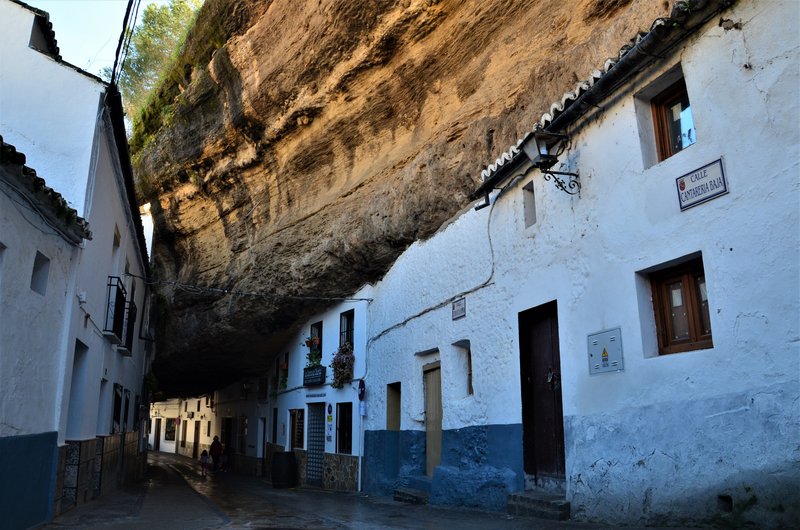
[155, 43]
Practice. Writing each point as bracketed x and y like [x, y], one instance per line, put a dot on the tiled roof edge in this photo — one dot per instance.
[47, 202]
[680, 13]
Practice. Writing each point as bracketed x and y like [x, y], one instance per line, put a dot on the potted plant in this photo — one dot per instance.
[313, 357]
[342, 365]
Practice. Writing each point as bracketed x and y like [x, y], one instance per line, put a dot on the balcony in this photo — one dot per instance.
[126, 348]
[115, 310]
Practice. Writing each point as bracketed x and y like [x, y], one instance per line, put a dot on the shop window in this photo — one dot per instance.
[346, 321]
[169, 429]
[681, 307]
[296, 422]
[344, 428]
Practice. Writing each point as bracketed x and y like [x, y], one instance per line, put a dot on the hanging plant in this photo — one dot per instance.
[342, 365]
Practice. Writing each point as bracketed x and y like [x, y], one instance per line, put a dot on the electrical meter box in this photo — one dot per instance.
[605, 352]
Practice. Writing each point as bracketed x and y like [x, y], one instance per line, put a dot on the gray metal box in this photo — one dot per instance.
[605, 352]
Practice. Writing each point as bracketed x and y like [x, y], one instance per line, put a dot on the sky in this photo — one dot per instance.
[88, 31]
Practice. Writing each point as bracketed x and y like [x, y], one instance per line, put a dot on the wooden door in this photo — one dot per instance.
[433, 416]
[540, 372]
[157, 436]
[196, 444]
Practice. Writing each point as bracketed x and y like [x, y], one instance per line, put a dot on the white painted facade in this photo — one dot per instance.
[81, 380]
[56, 116]
[670, 436]
[161, 437]
[32, 320]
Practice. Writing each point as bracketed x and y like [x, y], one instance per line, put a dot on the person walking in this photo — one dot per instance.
[216, 452]
[204, 463]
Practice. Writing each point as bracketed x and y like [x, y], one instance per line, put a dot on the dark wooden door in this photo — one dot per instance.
[157, 436]
[196, 443]
[540, 372]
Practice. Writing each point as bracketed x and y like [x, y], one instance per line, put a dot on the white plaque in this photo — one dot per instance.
[459, 308]
[701, 185]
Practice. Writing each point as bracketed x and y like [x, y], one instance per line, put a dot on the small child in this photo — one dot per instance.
[204, 462]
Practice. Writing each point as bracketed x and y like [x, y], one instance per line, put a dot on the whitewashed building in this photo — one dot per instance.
[40, 239]
[296, 407]
[627, 343]
[70, 126]
[309, 413]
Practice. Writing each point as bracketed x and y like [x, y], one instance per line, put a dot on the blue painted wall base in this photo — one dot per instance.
[479, 466]
[27, 479]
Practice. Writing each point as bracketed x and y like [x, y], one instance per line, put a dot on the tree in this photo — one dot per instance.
[153, 45]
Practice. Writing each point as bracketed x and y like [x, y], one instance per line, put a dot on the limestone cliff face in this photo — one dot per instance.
[313, 141]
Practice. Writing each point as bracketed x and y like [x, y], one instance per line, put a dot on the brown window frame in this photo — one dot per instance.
[686, 273]
[661, 105]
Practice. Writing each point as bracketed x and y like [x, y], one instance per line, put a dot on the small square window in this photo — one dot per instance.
[680, 303]
[672, 120]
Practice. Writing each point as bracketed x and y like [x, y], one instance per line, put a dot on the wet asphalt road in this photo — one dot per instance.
[175, 496]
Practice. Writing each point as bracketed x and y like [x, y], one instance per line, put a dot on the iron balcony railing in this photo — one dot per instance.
[115, 310]
[126, 348]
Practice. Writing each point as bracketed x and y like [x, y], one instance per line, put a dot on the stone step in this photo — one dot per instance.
[542, 505]
[411, 496]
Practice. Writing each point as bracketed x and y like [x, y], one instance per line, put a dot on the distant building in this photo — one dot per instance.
[622, 341]
[294, 408]
[69, 124]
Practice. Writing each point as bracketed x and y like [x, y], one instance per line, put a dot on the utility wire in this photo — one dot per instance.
[199, 289]
[121, 41]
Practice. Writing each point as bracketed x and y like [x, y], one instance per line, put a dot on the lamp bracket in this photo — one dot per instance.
[570, 187]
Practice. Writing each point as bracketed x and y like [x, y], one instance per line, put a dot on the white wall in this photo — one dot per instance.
[32, 325]
[54, 132]
[712, 420]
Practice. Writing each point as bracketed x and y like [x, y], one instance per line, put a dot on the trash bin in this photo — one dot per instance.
[284, 469]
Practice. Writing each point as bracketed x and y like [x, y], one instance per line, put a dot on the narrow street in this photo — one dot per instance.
[176, 496]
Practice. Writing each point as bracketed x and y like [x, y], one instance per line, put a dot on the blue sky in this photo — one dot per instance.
[87, 31]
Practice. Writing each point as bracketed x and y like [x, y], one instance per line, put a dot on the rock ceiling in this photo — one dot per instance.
[318, 139]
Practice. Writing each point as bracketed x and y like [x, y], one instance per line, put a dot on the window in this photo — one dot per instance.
[198, 405]
[680, 304]
[672, 120]
[275, 425]
[344, 428]
[529, 204]
[169, 429]
[208, 429]
[296, 423]
[316, 336]
[346, 327]
[41, 268]
[183, 434]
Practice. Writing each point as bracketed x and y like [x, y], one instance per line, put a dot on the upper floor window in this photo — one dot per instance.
[346, 321]
[672, 120]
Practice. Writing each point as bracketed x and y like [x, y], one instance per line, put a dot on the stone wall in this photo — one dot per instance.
[341, 472]
[78, 473]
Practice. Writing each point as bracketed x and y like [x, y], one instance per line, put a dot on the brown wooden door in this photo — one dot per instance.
[540, 372]
[433, 416]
